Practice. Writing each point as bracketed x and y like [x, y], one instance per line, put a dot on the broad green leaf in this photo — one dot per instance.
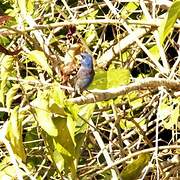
[30, 6]
[100, 80]
[134, 169]
[86, 111]
[7, 170]
[57, 97]
[173, 15]
[6, 69]
[57, 94]
[134, 101]
[39, 58]
[91, 35]
[43, 114]
[173, 118]
[155, 52]
[117, 77]
[61, 148]
[7, 65]
[10, 95]
[128, 9]
[64, 142]
[3, 89]
[14, 134]
[58, 160]
[166, 26]
[110, 79]
[4, 40]
[126, 125]
[58, 110]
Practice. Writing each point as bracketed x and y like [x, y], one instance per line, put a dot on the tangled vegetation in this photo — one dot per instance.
[125, 126]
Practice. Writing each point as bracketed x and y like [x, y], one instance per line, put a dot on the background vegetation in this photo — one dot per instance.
[126, 127]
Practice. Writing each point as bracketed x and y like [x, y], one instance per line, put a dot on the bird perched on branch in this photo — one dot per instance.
[85, 74]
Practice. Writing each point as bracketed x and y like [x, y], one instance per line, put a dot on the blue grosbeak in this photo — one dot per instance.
[85, 74]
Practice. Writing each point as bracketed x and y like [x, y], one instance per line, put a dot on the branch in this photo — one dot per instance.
[144, 84]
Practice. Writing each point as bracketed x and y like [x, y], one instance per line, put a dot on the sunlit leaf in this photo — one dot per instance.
[43, 114]
[10, 95]
[7, 65]
[117, 77]
[57, 94]
[91, 34]
[64, 141]
[173, 118]
[4, 40]
[173, 15]
[59, 160]
[134, 100]
[3, 89]
[14, 134]
[128, 9]
[8, 171]
[134, 169]
[30, 6]
[39, 58]
[126, 124]
[100, 80]
[63, 144]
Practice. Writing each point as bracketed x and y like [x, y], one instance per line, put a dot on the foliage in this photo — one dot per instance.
[44, 134]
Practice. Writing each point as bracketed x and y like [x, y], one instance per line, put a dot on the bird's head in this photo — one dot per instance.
[86, 60]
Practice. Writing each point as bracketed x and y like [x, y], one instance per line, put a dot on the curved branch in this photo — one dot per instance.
[144, 84]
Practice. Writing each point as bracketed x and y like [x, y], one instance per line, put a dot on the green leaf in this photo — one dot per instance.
[30, 6]
[117, 77]
[3, 89]
[134, 101]
[58, 160]
[10, 95]
[85, 111]
[110, 79]
[6, 69]
[43, 113]
[128, 9]
[57, 97]
[4, 40]
[39, 58]
[126, 125]
[7, 65]
[65, 142]
[14, 134]
[100, 80]
[8, 171]
[91, 35]
[173, 15]
[173, 118]
[134, 169]
[57, 94]
[62, 147]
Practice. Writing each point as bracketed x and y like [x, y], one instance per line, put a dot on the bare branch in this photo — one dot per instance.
[144, 84]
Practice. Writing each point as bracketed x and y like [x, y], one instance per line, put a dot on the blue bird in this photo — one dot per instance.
[85, 74]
